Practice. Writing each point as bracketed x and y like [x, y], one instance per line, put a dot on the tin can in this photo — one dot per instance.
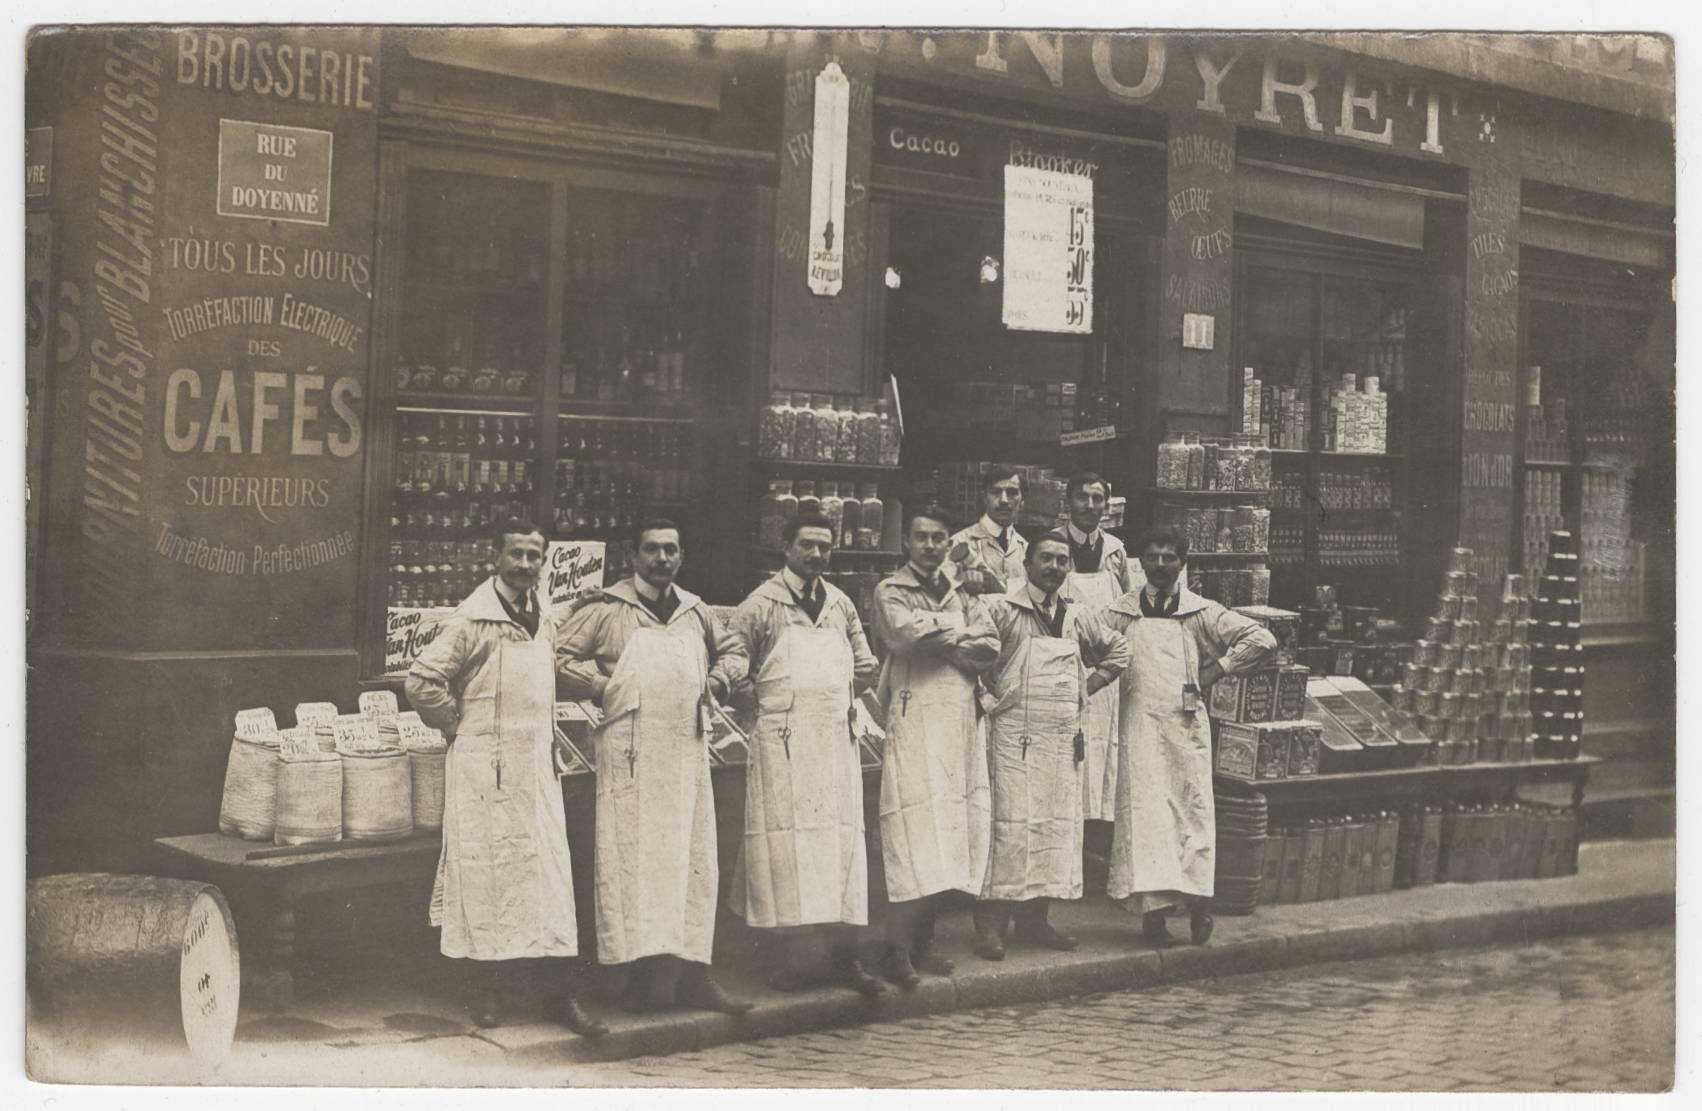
[1502, 630]
[1439, 629]
[1465, 680]
[1462, 582]
[1471, 656]
[1460, 559]
[1405, 698]
[1465, 632]
[1450, 656]
[1448, 606]
[1412, 676]
[1468, 607]
[1429, 704]
[1453, 705]
[1424, 653]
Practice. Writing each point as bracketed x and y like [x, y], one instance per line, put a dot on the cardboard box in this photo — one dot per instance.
[1270, 888]
[1291, 692]
[1304, 743]
[1388, 835]
[1245, 698]
[1282, 624]
[1330, 880]
[1252, 751]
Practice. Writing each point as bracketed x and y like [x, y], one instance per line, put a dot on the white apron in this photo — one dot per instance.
[1165, 839]
[936, 822]
[804, 860]
[1099, 721]
[1036, 789]
[656, 870]
[504, 881]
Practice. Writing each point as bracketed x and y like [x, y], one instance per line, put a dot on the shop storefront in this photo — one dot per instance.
[318, 306]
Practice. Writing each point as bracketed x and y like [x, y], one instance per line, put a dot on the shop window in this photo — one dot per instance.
[1327, 366]
[1597, 427]
[550, 363]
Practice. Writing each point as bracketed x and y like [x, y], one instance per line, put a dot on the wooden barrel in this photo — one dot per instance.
[1240, 873]
[132, 961]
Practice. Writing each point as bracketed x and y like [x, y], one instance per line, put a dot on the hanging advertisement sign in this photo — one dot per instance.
[827, 181]
[1048, 251]
[407, 633]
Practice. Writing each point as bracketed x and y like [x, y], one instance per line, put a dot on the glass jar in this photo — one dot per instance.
[890, 434]
[833, 506]
[1172, 464]
[803, 428]
[808, 501]
[775, 427]
[827, 429]
[873, 517]
[868, 436]
[1196, 479]
[845, 449]
[850, 518]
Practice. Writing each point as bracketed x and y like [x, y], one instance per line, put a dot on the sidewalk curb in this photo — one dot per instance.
[982, 984]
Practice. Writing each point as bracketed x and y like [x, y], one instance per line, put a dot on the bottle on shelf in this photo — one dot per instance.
[873, 517]
[850, 518]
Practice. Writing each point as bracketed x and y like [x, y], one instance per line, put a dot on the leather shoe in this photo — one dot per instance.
[851, 973]
[988, 944]
[703, 992]
[1200, 927]
[896, 967]
[934, 964]
[1154, 930]
[485, 1007]
[1044, 935]
[565, 1009]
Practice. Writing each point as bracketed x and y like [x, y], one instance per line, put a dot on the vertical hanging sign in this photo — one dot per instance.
[1048, 251]
[827, 181]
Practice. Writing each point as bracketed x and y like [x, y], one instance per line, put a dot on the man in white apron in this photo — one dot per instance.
[1100, 574]
[1053, 657]
[936, 824]
[988, 556]
[652, 656]
[504, 889]
[803, 872]
[1164, 851]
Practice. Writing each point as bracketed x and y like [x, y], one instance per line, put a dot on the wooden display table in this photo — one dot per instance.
[264, 884]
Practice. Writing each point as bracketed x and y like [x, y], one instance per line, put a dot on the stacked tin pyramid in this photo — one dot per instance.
[1557, 661]
[1468, 684]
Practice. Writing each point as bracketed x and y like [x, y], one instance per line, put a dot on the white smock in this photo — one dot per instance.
[805, 860]
[504, 886]
[656, 871]
[1098, 770]
[1165, 841]
[1036, 790]
[936, 820]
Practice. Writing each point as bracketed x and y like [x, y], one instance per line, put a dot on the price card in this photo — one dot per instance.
[355, 733]
[311, 715]
[414, 733]
[257, 725]
[380, 706]
[298, 742]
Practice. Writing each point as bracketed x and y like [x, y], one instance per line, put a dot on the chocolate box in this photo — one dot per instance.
[1247, 697]
[1303, 749]
[1252, 751]
[1282, 624]
[1237, 755]
[1291, 693]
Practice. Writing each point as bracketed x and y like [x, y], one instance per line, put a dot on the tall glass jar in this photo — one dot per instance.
[850, 518]
[832, 505]
[827, 429]
[873, 517]
[771, 514]
[808, 501]
[1196, 462]
[803, 428]
[776, 427]
[890, 435]
[845, 448]
[868, 436]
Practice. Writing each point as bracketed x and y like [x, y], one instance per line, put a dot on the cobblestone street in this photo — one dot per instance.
[1577, 1014]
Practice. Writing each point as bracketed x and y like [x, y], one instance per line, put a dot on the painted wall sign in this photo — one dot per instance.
[1048, 251]
[225, 359]
[38, 162]
[827, 181]
[268, 172]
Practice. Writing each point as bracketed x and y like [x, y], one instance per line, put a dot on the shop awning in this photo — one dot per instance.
[1603, 239]
[1331, 203]
[662, 65]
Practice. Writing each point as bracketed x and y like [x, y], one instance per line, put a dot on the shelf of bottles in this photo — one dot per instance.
[457, 476]
[612, 473]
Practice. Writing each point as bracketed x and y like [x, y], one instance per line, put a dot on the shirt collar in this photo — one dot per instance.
[796, 584]
[508, 593]
[1038, 596]
[923, 578]
[645, 590]
[1151, 590]
[989, 526]
[1077, 536]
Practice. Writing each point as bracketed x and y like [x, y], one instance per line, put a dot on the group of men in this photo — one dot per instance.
[1031, 692]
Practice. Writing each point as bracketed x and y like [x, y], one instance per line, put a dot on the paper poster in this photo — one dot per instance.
[380, 706]
[1048, 251]
[827, 181]
[355, 733]
[572, 569]
[407, 632]
[310, 715]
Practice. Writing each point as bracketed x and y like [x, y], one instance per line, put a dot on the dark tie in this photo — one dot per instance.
[1055, 621]
[524, 611]
[663, 607]
[1086, 556]
[1164, 607]
[1004, 540]
[813, 598]
[937, 587]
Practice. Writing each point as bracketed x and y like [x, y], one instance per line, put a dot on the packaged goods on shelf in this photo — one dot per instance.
[1282, 624]
[959, 488]
[1480, 843]
[1250, 752]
